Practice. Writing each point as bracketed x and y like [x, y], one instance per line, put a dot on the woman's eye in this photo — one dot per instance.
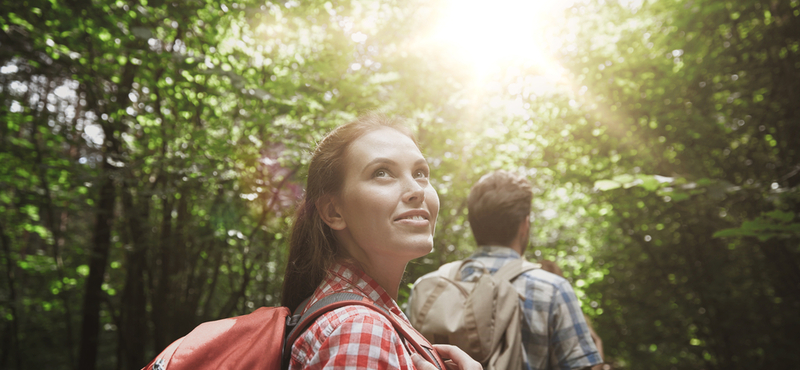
[420, 174]
[380, 173]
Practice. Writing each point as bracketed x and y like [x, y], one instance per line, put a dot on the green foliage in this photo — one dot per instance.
[771, 224]
[682, 94]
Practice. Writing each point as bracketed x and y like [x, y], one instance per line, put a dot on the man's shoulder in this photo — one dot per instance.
[540, 275]
[544, 283]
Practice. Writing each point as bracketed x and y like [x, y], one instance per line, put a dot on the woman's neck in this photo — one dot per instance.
[387, 275]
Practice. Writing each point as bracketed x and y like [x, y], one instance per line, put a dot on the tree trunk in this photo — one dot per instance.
[98, 260]
[133, 330]
[10, 340]
[162, 297]
[185, 311]
[53, 225]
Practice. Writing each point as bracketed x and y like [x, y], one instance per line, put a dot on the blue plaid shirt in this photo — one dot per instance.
[554, 331]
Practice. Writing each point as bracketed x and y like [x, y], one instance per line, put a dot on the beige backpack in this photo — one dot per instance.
[481, 317]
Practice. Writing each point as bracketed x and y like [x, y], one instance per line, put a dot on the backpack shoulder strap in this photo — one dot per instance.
[450, 270]
[297, 324]
[516, 267]
[161, 361]
[421, 345]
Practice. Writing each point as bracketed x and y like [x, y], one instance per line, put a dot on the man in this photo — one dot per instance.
[554, 332]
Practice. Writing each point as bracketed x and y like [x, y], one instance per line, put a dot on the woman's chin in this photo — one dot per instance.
[421, 250]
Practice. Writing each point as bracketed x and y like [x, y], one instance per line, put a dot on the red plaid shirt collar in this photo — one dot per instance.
[346, 277]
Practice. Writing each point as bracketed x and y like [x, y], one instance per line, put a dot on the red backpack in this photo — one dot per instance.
[263, 339]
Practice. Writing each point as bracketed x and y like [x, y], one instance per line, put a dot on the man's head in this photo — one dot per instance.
[498, 204]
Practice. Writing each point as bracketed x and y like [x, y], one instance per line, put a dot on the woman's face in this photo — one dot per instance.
[387, 205]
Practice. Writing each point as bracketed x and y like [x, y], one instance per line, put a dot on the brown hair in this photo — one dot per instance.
[497, 204]
[312, 246]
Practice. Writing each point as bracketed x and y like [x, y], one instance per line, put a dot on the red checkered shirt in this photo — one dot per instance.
[352, 337]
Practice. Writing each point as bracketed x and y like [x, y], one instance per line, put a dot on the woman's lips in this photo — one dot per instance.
[419, 217]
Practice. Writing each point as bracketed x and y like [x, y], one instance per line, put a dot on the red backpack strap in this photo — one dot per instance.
[161, 361]
[297, 324]
[421, 345]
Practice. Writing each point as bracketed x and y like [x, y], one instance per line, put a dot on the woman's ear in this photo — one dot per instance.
[329, 212]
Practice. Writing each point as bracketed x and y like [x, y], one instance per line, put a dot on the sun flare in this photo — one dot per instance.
[488, 36]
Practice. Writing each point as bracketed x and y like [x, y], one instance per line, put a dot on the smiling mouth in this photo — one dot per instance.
[413, 218]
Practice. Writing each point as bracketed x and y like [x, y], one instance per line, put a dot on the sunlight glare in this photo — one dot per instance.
[490, 35]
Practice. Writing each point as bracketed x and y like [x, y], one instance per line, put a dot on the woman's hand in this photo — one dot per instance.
[454, 358]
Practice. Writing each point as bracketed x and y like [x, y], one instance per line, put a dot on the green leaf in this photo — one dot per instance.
[17, 20]
[623, 179]
[83, 270]
[649, 182]
[679, 196]
[604, 185]
[780, 215]
[733, 233]
[704, 182]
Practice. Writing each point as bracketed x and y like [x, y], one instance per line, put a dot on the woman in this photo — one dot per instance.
[368, 210]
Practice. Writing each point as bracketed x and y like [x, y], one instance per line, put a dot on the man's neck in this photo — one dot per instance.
[517, 246]
[515, 249]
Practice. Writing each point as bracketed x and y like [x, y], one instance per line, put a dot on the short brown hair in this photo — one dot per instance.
[497, 204]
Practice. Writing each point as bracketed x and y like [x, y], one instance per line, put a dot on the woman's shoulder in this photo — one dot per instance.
[358, 317]
[352, 328]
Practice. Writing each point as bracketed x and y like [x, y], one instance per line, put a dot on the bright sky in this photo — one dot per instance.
[488, 36]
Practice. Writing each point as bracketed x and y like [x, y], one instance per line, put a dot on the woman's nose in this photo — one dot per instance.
[414, 191]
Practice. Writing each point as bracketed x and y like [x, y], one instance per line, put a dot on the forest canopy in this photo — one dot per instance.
[152, 153]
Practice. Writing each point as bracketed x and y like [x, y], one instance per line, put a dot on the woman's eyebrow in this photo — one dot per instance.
[382, 160]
